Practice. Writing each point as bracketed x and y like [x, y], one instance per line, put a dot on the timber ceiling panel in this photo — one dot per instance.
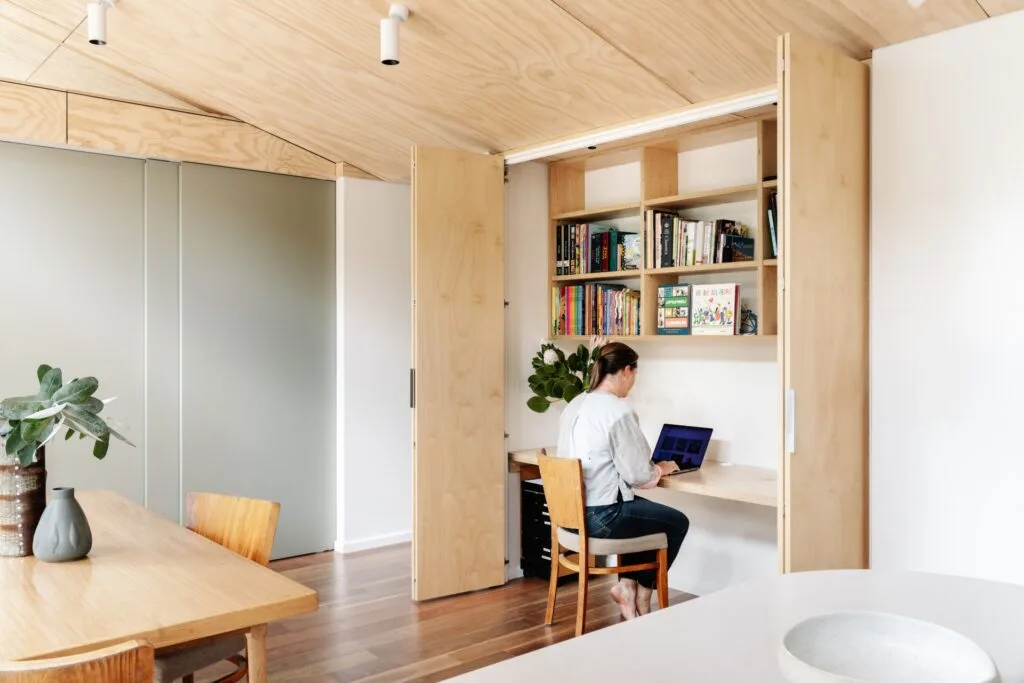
[486, 75]
[712, 49]
[475, 73]
[995, 7]
[67, 69]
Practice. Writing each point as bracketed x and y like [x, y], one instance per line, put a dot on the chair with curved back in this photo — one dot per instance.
[247, 527]
[562, 479]
[128, 662]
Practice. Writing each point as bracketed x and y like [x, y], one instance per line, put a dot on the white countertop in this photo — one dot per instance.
[733, 635]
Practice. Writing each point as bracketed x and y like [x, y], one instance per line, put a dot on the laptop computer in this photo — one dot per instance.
[684, 445]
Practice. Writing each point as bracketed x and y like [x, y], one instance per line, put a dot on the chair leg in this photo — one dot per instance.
[581, 606]
[662, 578]
[549, 615]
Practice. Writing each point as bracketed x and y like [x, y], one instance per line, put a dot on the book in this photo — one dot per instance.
[715, 309]
[674, 309]
[601, 309]
[632, 251]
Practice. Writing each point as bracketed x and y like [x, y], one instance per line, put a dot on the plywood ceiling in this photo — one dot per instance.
[487, 75]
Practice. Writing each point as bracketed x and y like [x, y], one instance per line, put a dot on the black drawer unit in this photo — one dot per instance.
[535, 531]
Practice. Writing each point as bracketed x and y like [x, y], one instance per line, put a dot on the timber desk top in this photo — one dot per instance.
[146, 578]
[754, 485]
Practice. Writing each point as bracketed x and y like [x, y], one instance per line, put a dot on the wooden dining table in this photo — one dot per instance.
[145, 578]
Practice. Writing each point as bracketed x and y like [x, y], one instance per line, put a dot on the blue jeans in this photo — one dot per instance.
[639, 517]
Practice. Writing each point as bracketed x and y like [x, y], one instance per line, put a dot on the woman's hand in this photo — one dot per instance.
[667, 467]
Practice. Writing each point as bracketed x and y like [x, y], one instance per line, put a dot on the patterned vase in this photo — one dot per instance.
[63, 534]
[22, 500]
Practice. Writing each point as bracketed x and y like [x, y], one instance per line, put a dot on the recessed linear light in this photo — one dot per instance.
[692, 114]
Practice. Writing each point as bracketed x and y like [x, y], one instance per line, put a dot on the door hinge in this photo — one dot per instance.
[412, 387]
[505, 171]
[782, 283]
[506, 304]
[506, 435]
[782, 63]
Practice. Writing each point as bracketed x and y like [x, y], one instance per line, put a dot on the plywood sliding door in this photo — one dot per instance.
[458, 364]
[823, 148]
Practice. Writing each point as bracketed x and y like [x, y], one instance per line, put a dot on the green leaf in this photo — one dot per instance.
[76, 390]
[27, 454]
[50, 382]
[595, 353]
[556, 389]
[49, 432]
[561, 355]
[572, 392]
[538, 390]
[85, 422]
[70, 433]
[91, 404]
[45, 412]
[32, 429]
[583, 351]
[99, 449]
[573, 363]
[20, 407]
[14, 442]
[538, 404]
[41, 372]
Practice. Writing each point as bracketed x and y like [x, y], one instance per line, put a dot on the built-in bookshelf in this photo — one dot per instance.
[610, 260]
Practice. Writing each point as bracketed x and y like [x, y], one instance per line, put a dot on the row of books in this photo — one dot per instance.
[593, 248]
[699, 309]
[682, 242]
[595, 309]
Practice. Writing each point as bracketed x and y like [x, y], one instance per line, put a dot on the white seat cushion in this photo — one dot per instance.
[612, 546]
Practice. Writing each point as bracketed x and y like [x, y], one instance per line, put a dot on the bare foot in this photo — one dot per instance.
[643, 600]
[624, 595]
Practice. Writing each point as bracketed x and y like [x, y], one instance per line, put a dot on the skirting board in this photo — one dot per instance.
[372, 542]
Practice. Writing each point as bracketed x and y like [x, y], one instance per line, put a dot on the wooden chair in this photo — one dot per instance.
[562, 479]
[129, 662]
[246, 526]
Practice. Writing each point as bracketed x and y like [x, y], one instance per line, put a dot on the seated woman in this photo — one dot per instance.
[600, 429]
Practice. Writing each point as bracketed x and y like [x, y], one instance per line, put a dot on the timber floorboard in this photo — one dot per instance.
[369, 629]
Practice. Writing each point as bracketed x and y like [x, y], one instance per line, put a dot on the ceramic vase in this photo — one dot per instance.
[22, 499]
[63, 534]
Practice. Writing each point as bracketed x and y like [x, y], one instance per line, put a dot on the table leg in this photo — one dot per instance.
[256, 653]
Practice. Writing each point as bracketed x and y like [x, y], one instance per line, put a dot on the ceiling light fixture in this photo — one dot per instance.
[397, 14]
[692, 114]
[97, 16]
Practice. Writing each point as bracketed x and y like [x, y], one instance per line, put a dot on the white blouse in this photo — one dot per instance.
[603, 432]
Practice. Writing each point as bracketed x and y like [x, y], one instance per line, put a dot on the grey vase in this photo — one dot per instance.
[63, 534]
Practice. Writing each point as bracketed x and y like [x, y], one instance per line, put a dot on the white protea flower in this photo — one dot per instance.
[550, 357]
[597, 342]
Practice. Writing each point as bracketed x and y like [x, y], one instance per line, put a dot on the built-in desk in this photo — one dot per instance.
[754, 485]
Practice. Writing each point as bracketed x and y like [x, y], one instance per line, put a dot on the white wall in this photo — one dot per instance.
[732, 388]
[947, 467]
[374, 353]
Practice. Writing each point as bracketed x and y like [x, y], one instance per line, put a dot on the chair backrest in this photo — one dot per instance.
[562, 479]
[129, 662]
[244, 525]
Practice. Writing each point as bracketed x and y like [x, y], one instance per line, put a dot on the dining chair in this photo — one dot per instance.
[247, 527]
[128, 662]
[562, 479]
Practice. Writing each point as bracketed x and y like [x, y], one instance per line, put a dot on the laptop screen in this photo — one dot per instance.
[684, 445]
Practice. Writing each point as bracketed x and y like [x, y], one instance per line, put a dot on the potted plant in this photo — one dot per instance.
[560, 377]
[27, 424]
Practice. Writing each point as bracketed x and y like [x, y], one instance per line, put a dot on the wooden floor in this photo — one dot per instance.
[369, 629]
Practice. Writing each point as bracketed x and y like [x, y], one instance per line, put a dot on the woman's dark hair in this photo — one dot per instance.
[612, 358]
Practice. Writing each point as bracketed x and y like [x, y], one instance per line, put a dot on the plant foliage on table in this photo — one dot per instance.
[560, 377]
[27, 423]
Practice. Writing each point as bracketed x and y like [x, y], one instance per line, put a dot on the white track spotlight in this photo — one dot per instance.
[389, 34]
[97, 12]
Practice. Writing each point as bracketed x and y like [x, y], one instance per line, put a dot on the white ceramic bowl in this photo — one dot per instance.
[873, 647]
